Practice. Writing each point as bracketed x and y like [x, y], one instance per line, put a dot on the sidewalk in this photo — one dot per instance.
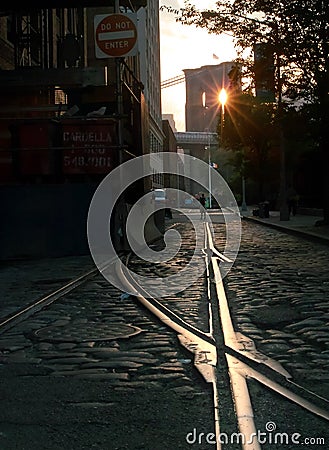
[302, 225]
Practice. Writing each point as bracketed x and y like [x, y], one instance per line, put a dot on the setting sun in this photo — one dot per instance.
[222, 97]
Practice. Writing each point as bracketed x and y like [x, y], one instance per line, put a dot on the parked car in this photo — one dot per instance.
[160, 198]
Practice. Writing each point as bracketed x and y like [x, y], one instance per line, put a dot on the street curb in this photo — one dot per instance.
[294, 231]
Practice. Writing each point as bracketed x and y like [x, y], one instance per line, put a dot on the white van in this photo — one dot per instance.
[159, 195]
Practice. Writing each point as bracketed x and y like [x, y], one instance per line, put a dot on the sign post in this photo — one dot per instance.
[115, 35]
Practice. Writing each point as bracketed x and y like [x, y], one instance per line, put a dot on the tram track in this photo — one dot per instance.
[55, 352]
[37, 305]
[215, 350]
[242, 358]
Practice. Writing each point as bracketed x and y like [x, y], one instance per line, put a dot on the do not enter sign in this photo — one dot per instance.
[115, 35]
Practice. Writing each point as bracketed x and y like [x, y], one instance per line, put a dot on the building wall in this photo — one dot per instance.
[46, 220]
[32, 228]
[170, 119]
[6, 47]
[169, 145]
[149, 52]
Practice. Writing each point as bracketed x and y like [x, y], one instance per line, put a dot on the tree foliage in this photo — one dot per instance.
[250, 129]
[298, 31]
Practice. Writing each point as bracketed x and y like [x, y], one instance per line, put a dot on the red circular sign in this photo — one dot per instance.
[116, 35]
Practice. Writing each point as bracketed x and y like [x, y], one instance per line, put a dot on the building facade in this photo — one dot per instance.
[67, 118]
[149, 51]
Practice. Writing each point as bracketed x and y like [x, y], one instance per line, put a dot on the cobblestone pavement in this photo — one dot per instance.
[24, 281]
[278, 291]
[300, 225]
[95, 370]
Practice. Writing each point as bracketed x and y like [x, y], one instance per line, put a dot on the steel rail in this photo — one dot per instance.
[28, 311]
[240, 370]
[314, 394]
[211, 330]
[246, 348]
[237, 348]
[235, 340]
[194, 340]
[205, 357]
[240, 392]
[249, 372]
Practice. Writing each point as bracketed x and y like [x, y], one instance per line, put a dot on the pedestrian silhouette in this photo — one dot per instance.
[292, 199]
[202, 201]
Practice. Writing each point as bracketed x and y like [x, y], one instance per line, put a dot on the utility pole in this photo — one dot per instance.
[120, 216]
[209, 171]
[284, 210]
[276, 52]
[244, 204]
[119, 96]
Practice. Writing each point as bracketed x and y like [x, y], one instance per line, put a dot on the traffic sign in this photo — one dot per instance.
[115, 35]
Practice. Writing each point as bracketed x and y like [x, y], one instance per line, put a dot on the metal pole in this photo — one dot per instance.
[209, 170]
[119, 94]
[222, 124]
[120, 233]
[244, 204]
[284, 210]
[177, 182]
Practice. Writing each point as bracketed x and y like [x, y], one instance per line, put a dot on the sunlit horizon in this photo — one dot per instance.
[187, 47]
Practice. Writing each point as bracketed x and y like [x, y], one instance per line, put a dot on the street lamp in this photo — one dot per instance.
[207, 130]
[209, 171]
[222, 98]
[273, 25]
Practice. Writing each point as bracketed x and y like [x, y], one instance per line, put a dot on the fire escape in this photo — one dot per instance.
[55, 88]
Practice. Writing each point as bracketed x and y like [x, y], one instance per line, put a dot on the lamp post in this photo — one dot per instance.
[284, 210]
[244, 204]
[283, 206]
[222, 97]
[206, 130]
[209, 171]
[277, 40]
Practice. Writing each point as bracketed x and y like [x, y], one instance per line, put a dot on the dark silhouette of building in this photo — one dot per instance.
[202, 89]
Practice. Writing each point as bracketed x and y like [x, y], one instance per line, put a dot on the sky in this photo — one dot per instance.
[187, 47]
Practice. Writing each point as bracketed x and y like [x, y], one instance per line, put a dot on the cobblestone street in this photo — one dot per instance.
[278, 291]
[97, 370]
